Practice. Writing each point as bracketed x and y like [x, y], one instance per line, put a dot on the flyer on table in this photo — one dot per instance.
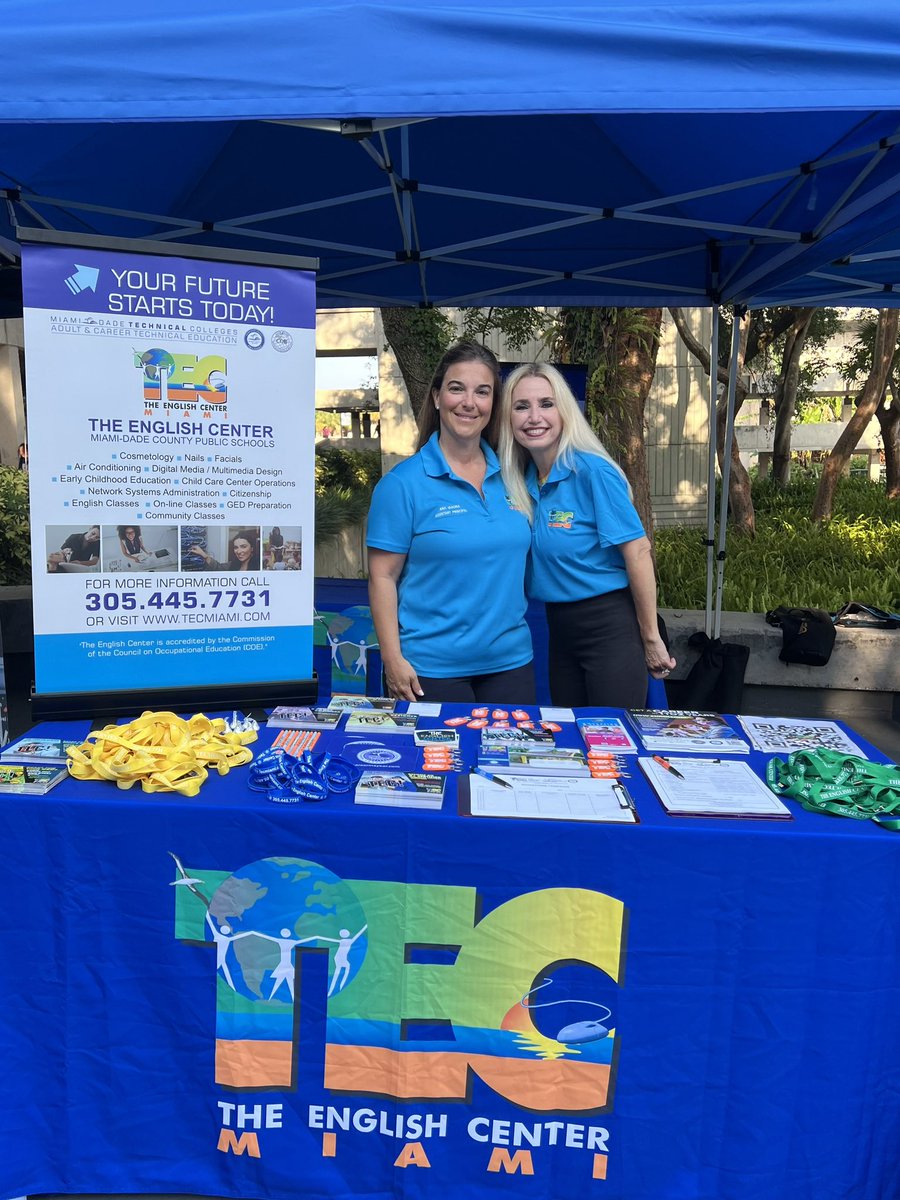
[171, 425]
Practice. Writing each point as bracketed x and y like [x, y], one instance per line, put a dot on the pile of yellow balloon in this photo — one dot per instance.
[161, 752]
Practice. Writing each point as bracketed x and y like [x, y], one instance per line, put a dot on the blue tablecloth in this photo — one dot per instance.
[746, 975]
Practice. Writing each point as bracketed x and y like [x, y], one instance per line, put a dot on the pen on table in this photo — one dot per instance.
[667, 766]
[493, 778]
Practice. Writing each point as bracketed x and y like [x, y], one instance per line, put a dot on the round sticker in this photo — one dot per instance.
[378, 756]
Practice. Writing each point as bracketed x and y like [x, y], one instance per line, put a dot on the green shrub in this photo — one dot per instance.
[15, 548]
[346, 469]
[856, 556]
[344, 483]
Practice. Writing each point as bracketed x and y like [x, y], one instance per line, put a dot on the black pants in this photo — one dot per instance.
[505, 687]
[596, 653]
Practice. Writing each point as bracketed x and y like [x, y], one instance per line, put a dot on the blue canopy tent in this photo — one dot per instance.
[531, 152]
[469, 153]
[460, 153]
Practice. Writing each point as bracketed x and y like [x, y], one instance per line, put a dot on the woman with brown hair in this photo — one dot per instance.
[447, 551]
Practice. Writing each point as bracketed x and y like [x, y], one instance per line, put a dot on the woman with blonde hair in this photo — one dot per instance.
[591, 561]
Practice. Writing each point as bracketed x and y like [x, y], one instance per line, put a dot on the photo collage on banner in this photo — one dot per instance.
[171, 420]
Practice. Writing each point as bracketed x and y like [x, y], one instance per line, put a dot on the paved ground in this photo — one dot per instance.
[885, 734]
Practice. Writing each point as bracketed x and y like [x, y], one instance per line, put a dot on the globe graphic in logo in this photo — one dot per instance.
[354, 632]
[154, 361]
[270, 910]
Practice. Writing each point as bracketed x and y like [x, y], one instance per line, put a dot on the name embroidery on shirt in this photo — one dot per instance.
[559, 518]
[451, 510]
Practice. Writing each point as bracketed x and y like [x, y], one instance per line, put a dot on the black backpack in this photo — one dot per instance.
[807, 635]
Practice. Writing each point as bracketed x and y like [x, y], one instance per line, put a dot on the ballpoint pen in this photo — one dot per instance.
[667, 766]
[493, 778]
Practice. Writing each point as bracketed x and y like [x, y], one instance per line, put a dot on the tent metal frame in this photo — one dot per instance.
[405, 195]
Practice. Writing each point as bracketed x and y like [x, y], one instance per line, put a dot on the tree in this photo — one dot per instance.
[790, 368]
[785, 394]
[759, 330]
[855, 367]
[889, 422]
[516, 326]
[868, 401]
[619, 347]
[419, 337]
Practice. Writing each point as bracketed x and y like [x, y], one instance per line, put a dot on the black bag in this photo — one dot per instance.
[865, 616]
[716, 680]
[807, 635]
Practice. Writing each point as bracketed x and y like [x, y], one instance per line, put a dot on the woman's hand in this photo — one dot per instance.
[659, 662]
[401, 679]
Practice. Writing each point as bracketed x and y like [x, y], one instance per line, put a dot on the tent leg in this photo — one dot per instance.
[711, 465]
[737, 313]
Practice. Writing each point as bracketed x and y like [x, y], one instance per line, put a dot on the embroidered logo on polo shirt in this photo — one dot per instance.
[559, 518]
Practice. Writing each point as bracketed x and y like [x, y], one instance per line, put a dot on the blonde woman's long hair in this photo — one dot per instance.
[576, 433]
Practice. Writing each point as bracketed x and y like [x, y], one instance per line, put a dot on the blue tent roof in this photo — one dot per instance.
[474, 152]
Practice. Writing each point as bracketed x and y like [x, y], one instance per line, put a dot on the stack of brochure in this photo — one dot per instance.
[445, 739]
[371, 720]
[555, 760]
[497, 739]
[528, 751]
[350, 702]
[32, 749]
[606, 735]
[400, 789]
[685, 731]
[303, 717]
[31, 766]
[30, 779]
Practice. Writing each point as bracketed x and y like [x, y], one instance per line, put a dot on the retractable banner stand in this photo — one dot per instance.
[171, 415]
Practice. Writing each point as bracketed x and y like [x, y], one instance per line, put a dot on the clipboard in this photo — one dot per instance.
[712, 787]
[543, 798]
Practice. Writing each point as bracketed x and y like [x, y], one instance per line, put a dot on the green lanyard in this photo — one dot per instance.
[842, 784]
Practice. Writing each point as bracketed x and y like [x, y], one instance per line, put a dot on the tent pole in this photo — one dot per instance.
[711, 473]
[737, 313]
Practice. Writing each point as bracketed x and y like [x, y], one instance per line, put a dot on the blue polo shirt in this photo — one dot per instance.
[462, 590]
[582, 514]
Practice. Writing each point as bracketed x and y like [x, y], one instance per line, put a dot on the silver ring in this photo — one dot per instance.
[665, 671]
